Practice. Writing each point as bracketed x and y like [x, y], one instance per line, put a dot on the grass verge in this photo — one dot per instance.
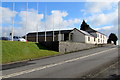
[13, 51]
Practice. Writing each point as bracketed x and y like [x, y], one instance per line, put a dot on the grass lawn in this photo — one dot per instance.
[17, 51]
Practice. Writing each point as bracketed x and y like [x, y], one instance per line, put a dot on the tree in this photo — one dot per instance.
[112, 37]
[109, 41]
[85, 27]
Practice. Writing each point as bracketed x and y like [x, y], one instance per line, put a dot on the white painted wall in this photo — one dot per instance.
[105, 39]
[101, 39]
[90, 41]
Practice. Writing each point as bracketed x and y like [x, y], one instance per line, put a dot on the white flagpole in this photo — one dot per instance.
[26, 21]
[37, 26]
[45, 20]
[13, 22]
[53, 28]
[1, 20]
[59, 32]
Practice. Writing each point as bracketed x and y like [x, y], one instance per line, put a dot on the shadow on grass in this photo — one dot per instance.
[50, 45]
[41, 46]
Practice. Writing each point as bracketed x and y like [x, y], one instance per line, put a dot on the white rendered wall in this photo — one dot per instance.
[91, 41]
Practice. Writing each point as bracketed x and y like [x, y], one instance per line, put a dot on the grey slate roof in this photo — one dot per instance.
[86, 33]
[50, 33]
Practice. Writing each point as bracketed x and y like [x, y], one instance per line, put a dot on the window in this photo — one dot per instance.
[94, 39]
[88, 38]
[98, 40]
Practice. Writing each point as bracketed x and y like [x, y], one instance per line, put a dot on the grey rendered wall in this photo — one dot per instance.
[78, 36]
[65, 47]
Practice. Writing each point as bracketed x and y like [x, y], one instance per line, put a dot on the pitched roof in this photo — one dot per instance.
[84, 32]
[49, 33]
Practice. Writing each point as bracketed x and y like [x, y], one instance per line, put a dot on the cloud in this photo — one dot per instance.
[97, 7]
[104, 28]
[30, 24]
[101, 14]
[56, 20]
[6, 31]
[110, 30]
[103, 19]
[18, 31]
[6, 15]
[31, 21]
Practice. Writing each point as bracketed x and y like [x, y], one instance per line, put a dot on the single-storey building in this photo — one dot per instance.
[73, 35]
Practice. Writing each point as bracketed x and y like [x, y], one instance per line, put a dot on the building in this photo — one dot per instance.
[100, 38]
[73, 35]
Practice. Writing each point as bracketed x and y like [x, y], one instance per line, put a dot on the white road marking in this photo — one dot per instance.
[51, 65]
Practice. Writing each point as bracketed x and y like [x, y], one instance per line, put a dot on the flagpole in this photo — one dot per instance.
[26, 21]
[59, 32]
[1, 19]
[37, 26]
[45, 20]
[53, 27]
[13, 23]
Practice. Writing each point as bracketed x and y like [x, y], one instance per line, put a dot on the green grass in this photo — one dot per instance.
[13, 51]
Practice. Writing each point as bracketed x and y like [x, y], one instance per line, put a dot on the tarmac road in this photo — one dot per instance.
[73, 65]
